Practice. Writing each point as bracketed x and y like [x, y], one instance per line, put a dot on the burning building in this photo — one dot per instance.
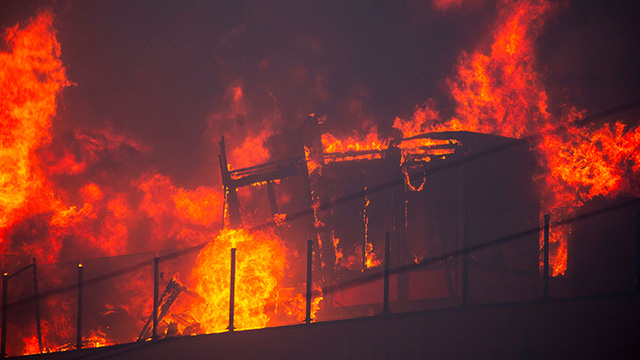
[112, 113]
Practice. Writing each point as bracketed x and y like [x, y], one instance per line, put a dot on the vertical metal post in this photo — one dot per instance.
[37, 298]
[156, 290]
[232, 288]
[387, 265]
[307, 319]
[465, 265]
[638, 251]
[545, 267]
[3, 350]
[79, 325]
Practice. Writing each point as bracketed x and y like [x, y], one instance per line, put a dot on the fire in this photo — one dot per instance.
[424, 118]
[31, 345]
[371, 258]
[189, 215]
[32, 76]
[54, 205]
[96, 339]
[252, 151]
[291, 304]
[371, 141]
[355, 143]
[501, 92]
[498, 90]
[260, 266]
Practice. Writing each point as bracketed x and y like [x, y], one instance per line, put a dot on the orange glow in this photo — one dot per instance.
[252, 151]
[312, 163]
[293, 305]
[95, 340]
[252, 148]
[337, 250]
[200, 206]
[91, 193]
[422, 121]
[189, 215]
[448, 4]
[372, 259]
[31, 345]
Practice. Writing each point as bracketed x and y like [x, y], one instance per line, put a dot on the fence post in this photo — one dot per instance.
[156, 294]
[545, 267]
[309, 280]
[638, 251]
[79, 324]
[3, 351]
[465, 265]
[387, 266]
[37, 298]
[232, 288]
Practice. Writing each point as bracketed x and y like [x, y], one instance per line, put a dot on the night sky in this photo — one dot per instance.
[159, 71]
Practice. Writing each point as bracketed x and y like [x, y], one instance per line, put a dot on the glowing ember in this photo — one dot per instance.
[290, 304]
[371, 258]
[31, 345]
[96, 339]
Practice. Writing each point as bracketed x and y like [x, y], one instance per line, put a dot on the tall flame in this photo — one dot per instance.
[502, 93]
[31, 76]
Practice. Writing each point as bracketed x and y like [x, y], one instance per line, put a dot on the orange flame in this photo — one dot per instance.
[95, 340]
[31, 76]
[500, 92]
[260, 265]
[371, 141]
[31, 345]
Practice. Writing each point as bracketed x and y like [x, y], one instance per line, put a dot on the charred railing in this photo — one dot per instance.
[163, 303]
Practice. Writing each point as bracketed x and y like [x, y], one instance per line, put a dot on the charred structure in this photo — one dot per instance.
[437, 193]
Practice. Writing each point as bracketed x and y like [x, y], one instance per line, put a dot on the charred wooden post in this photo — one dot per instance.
[545, 268]
[3, 350]
[365, 221]
[465, 265]
[235, 219]
[304, 165]
[273, 204]
[37, 301]
[638, 251]
[156, 286]
[79, 318]
[307, 318]
[387, 265]
[232, 289]
[399, 199]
